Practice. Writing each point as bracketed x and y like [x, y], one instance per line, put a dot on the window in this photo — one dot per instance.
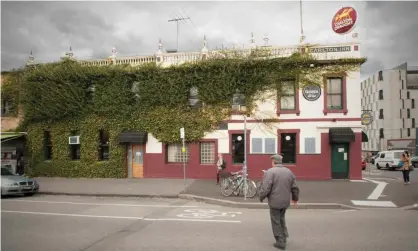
[288, 147]
[175, 155]
[334, 93]
[408, 113]
[407, 95]
[47, 145]
[403, 123]
[408, 131]
[74, 148]
[413, 123]
[193, 97]
[288, 95]
[380, 94]
[382, 156]
[412, 103]
[381, 114]
[400, 94]
[400, 113]
[103, 145]
[238, 145]
[401, 132]
[207, 153]
[381, 133]
[399, 74]
[5, 107]
[380, 76]
[402, 85]
[269, 145]
[403, 104]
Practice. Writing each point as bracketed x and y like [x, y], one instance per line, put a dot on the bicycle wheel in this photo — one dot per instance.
[251, 190]
[258, 184]
[227, 187]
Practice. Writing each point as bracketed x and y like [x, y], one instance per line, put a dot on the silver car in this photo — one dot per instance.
[12, 184]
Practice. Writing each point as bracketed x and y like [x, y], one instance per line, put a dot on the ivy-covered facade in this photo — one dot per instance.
[121, 117]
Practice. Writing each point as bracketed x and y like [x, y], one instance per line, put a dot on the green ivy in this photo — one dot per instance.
[58, 97]
[10, 90]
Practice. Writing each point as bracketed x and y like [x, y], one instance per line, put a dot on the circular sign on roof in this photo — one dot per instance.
[366, 118]
[311, 92]
[344, 20]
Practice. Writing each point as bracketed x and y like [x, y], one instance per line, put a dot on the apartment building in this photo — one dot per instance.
[391, 97]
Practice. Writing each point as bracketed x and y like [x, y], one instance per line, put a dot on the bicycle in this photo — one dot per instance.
[259, 183]
[235, 184]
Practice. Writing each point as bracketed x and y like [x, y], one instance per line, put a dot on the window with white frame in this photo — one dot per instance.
[175, 155]
[288, 95]
[207, 153]
[263, 145]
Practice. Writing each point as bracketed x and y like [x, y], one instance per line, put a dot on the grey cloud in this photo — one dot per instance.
[388, 30]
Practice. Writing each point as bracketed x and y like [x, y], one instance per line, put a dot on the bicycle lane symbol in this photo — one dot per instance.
[206, 214]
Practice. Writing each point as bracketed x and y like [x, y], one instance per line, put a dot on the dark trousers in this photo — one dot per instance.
[405, 175]
[218, 174]
[278, 224]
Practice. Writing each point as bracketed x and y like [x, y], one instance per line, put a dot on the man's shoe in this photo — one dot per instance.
[280, 246]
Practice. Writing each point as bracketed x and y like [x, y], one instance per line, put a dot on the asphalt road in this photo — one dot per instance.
[64, 223]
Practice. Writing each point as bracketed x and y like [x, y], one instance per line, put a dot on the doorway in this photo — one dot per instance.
[135, 160]
[340, 161]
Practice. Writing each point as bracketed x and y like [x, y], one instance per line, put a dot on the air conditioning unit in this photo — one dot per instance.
[74, 140]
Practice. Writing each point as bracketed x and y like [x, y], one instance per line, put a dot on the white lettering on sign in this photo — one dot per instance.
[344, 23]
[331, 49]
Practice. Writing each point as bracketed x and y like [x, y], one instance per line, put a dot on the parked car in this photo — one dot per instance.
[388, 159]
[12, 184]
[363, 164]
[414, 161]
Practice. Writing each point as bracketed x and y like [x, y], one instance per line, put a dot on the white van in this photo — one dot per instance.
[388, 159]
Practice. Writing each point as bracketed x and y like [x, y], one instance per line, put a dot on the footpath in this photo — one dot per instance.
[330, 194]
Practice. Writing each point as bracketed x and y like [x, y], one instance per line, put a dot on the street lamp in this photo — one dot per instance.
[238, 103]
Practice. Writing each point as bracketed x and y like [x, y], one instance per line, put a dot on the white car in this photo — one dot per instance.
[388, 159]
[12, 184]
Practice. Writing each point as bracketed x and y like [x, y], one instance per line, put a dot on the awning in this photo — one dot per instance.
[364, 137]
[341, 135]
[133, 137]
[6, 136]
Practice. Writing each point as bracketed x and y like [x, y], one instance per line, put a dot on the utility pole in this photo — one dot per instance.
[177, 20]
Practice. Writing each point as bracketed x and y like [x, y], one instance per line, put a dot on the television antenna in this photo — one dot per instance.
[178, 18]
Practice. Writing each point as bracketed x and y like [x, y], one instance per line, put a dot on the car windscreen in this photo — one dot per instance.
[6, 172]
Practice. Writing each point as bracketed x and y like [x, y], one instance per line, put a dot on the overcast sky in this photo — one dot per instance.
[388, 31]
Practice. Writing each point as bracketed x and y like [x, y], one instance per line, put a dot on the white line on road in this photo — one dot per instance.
[377, 192]
[371, 203]
[96, 204]
[346, 211]
[119, 217]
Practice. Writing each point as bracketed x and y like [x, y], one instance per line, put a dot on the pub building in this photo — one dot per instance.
[319, 132]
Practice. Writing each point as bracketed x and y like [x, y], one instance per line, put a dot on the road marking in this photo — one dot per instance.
[358, 181]
[120, 217]
[97, 204]
[373, 203]
[206, 213]
[377, 192]
[346, 211]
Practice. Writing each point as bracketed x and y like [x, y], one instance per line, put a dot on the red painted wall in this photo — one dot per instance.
[309, 166]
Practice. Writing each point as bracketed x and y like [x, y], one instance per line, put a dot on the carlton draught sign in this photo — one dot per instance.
[344, 20]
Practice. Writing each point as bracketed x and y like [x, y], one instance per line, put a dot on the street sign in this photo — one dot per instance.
[366, 118]
[182, 133]
[311, 92]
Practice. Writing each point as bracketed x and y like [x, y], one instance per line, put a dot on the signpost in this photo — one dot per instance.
[344, 20]
[366, 117]
[183, 150]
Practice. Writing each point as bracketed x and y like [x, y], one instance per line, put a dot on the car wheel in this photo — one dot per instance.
[377, 166]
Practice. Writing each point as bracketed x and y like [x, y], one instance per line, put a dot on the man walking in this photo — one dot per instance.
[279, 186]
